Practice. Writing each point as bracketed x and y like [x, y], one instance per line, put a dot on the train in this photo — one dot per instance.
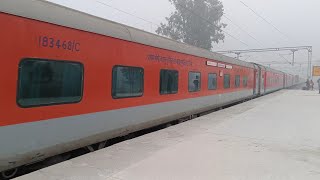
[70, 79]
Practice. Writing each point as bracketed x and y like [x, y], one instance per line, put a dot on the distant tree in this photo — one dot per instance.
[195, 22]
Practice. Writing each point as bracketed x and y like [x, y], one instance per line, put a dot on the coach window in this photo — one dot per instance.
[169, 81]
[127, 82]
[245, 81]
[194, 81]
[212, 81]
[237, 81]
[226, 81]
[49, 82]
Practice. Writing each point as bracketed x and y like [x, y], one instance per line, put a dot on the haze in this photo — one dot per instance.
[295, 19]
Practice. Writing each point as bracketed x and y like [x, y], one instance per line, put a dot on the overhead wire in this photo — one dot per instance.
[207, 21]
[266, 21]
[286, 37]
[125, 12]
[143, 19]
[251, 36]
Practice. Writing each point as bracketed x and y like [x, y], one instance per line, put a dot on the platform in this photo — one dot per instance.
[273, 137]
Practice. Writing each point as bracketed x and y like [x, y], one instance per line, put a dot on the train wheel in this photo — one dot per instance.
[9, 173]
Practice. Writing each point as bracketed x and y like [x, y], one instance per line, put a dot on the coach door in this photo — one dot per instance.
[255, 82]
[256, 90]
[263, 82]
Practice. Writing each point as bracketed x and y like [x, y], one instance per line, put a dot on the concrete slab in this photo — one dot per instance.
[273, 137]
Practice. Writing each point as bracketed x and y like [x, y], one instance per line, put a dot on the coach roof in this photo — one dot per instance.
[56, 14]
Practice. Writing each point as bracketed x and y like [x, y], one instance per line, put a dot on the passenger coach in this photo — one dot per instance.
[70, 80]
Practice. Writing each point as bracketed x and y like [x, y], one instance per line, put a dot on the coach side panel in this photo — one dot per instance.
[35, 132]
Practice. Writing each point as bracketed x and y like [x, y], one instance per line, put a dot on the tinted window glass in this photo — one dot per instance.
[47, 82]
[237, 81]
[169, 81]
[245, 81]
[212, 81]
[194, 81]
[127, 82]
[226, 81]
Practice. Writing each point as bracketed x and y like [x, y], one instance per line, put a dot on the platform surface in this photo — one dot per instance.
[273, 137]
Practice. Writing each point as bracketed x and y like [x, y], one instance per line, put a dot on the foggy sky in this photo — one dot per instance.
[296, 19]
